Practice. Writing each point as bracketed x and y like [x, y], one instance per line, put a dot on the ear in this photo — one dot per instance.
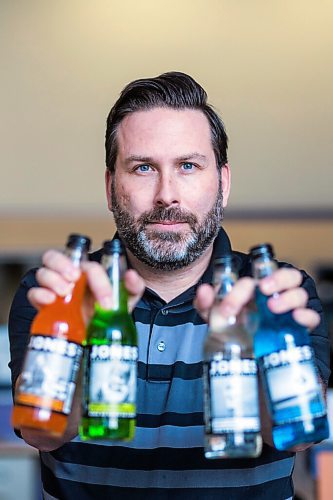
[226, 183]
[108, 184]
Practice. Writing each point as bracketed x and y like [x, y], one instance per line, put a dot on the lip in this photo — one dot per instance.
[166, 224]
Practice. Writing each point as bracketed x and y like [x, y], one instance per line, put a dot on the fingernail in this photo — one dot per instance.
[71, 274]
[228, 310]
[65, 290]
[267, 285]
[275, 303]
[106, 302]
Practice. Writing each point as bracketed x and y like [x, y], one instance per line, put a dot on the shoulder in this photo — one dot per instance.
[28, 281]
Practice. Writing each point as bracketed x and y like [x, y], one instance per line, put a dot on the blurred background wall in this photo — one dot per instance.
[267, 67]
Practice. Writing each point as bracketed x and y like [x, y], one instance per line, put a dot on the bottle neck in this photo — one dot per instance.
[223, 283]
[77, 255]
[76, 295]
[115, 266]
[262, 267]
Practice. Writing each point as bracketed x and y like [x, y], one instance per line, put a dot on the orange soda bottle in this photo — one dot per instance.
[46, 386]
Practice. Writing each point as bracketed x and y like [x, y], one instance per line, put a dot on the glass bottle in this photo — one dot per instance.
[45, 389]
[231, 405]
[110, 367]
[286, 362]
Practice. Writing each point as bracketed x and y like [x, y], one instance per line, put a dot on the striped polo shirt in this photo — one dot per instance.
[165, 460]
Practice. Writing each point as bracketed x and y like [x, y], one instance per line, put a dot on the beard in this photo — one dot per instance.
[167, 250]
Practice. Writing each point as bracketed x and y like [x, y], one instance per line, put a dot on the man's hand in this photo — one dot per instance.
[58, 276]
[286, 295]
[283, 286]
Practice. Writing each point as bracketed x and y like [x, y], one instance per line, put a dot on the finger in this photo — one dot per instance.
[282, 279]
[288, 300]
[39, 297]
[135, 286]
[204, 300]
[61, 264]
[99, 284]
[52, 280]
[239, 296]
[306, 317]
[88, 305]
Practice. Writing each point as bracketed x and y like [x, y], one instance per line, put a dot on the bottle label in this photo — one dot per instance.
[112, 381]
[231, 395]
[292, 380]
[49, 374]
[292, 384]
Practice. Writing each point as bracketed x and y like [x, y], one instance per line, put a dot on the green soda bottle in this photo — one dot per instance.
[110, 361]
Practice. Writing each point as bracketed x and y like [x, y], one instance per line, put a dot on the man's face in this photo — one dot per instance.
[166, 193]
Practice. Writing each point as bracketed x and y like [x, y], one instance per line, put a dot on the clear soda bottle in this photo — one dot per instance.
[231, 404]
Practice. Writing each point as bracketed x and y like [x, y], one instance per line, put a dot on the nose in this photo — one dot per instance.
[167, 191]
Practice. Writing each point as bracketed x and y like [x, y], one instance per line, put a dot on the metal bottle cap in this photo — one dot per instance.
[78, 241]
[262, 249]
[113, 246]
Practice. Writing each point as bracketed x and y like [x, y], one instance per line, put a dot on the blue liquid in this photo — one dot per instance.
[293, 394]
[305, 431]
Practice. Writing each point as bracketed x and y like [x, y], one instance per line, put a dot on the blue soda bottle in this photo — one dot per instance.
[286, 363]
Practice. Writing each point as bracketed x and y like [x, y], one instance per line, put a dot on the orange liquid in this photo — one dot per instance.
[62, 319]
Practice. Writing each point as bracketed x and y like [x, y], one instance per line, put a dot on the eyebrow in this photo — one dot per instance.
[149, 159]
[192, 156]
[137, 158]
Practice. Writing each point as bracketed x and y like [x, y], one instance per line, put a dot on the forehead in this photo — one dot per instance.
[167, 127]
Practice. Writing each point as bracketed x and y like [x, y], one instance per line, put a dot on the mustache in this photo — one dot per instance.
[172, 214]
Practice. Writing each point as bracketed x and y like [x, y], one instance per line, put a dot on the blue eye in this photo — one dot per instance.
[187, 166]
[143, 168]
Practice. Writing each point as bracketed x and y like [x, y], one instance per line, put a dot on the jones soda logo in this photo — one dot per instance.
[107, 352]
[232, 366]
[287, 356]
[54, 345]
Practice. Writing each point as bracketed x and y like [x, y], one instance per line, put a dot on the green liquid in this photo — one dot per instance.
[106, 428]
[110, 329]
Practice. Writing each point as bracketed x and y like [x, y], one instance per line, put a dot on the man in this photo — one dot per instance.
[167, 182]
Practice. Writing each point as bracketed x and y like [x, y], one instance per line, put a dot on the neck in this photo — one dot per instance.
[170, 284]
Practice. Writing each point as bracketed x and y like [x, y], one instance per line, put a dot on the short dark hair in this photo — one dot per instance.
[170, 90]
